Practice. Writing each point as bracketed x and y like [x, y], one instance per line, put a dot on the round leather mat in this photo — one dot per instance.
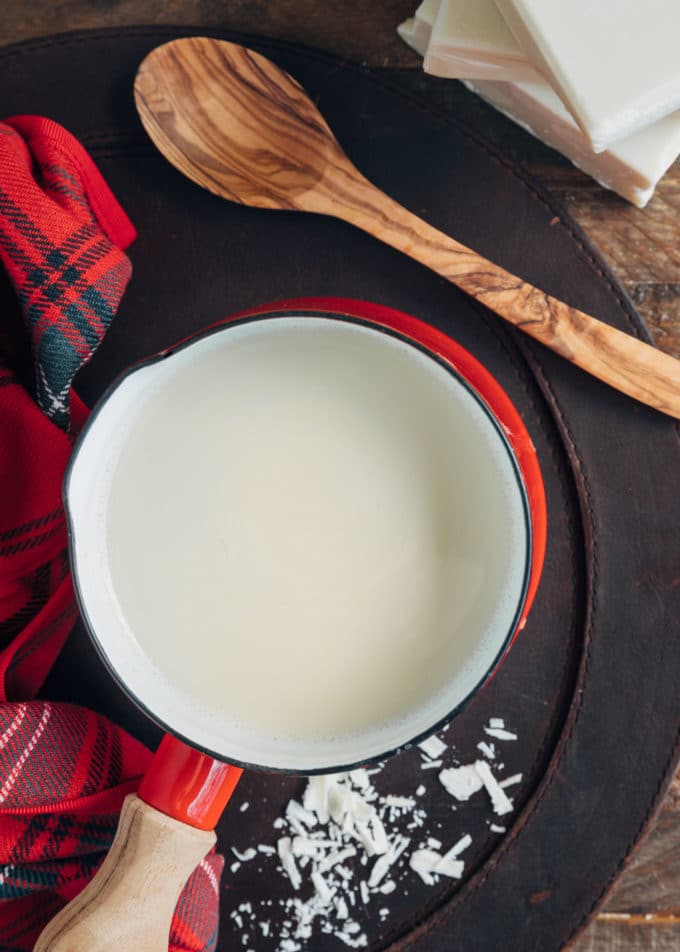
[590, 687]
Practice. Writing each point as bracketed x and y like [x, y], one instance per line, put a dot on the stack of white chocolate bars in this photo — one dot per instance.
[598, 80]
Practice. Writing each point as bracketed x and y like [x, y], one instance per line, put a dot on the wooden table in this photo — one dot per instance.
[642, 247]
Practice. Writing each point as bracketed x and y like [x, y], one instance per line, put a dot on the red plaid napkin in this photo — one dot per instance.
[63, 770]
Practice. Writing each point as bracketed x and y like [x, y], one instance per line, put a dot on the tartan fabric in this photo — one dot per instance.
[66, 262]
[64, 770]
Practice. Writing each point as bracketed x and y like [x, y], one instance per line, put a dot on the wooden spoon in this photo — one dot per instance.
[244, 129]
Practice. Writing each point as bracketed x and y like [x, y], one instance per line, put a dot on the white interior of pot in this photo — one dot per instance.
[467, 511]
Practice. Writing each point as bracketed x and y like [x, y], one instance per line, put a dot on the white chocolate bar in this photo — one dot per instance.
[417, 29]
[471, 40]
[632, 166]
[614, 63]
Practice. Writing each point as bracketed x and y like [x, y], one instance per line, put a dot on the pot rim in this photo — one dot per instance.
[446, 352]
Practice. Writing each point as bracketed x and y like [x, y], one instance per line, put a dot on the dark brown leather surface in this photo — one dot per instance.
[591, 685]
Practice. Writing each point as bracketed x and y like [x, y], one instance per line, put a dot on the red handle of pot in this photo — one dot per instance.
[188, 785]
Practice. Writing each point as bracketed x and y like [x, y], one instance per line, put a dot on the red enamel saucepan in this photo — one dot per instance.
[301, 540]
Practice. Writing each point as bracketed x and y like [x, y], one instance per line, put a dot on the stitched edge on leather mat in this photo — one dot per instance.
[634, 322]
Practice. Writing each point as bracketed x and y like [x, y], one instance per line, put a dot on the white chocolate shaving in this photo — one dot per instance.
[511, 781]
[461, 782]
[433, 747]
[246, 856]
[499, 800]
[288, 862]
[499, 733]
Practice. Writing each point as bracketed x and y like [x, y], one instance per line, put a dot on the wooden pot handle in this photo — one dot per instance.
[129, 903]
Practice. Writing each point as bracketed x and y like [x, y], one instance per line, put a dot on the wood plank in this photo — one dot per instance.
[620, 935]
[642, 246]
[643, 909]
[659, 305]
[651, 880]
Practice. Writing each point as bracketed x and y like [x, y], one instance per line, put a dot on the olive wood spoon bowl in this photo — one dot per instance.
[233, 122]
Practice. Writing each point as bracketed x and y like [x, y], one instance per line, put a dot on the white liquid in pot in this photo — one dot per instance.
[311, 528]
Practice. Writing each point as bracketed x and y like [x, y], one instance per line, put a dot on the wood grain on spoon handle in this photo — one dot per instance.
[620, 360]
[236, 124]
